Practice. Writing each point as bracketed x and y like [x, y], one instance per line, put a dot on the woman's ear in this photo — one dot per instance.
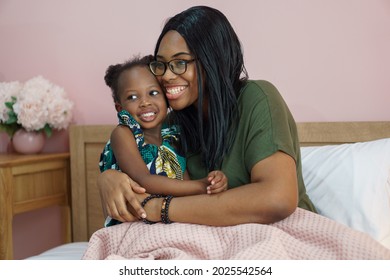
[118, 107]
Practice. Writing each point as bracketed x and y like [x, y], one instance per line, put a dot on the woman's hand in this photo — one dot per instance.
[118, 193]
[218, 182]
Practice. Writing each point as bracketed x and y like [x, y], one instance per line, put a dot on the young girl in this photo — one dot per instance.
[140, 145]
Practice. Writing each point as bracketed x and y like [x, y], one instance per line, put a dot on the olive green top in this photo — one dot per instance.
[265, 127]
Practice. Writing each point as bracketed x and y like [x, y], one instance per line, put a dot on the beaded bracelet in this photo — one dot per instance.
[143, 203]
[164, 209]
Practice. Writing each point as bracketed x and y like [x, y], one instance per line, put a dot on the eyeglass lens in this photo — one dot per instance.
[177, 66]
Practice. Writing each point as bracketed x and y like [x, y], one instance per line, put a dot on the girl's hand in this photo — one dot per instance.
[218, 182]
[118, 193]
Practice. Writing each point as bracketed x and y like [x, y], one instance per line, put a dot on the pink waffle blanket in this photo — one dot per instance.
[303, 235]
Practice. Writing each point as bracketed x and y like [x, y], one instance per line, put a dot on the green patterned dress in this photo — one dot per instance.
[161, 160]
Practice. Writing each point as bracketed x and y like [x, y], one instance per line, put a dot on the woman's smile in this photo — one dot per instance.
[174, 92]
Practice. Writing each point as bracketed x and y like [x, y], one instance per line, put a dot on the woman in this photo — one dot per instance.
[227, 122]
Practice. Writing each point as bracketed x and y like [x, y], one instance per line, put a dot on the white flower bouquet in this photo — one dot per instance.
[36, 105]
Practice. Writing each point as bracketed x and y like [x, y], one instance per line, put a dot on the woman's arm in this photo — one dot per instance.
[271, 196]
[118, 191]
[118, 196]
[130, 161]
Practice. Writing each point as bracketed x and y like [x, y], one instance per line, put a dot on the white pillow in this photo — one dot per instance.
[350, 183]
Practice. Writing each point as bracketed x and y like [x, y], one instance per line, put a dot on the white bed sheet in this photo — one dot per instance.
[69, 251]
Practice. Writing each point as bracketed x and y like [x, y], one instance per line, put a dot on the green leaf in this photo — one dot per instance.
[10, 129]
[9, 105]
[48, 130]
[12, 118]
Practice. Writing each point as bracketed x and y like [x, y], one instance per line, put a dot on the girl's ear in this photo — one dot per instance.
[118, 107]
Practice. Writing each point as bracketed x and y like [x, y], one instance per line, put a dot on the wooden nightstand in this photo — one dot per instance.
[29, 182]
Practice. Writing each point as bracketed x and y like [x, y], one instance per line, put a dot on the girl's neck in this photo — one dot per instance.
[153, 136]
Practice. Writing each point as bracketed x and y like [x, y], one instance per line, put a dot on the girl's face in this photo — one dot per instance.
[180, 90]
[141, 95]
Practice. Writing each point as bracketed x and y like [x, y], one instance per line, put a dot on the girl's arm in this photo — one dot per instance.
[270, 197]
[130, 161]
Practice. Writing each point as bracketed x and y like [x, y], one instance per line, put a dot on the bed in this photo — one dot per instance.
[346, 168]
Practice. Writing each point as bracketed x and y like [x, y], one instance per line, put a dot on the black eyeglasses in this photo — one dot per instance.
[177, 66]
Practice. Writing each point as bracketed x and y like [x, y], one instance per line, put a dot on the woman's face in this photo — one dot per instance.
[180, 90]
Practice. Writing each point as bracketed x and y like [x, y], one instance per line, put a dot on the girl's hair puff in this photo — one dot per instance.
[113, 72]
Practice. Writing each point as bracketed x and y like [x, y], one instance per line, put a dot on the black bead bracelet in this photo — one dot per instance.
[143, 203]
[164, 209]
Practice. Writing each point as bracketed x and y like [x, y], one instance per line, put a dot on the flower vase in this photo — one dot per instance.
[28, 142]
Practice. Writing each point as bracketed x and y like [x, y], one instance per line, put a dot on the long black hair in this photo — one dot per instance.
[217, 50]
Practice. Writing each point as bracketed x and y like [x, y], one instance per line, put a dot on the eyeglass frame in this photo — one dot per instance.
[167, 65]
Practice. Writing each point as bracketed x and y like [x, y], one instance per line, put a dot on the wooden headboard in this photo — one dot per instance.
[87, 142]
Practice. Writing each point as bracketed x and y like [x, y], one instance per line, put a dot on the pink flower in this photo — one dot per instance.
[7, 90]
[59, 109]
[37, 105]
[31, 114]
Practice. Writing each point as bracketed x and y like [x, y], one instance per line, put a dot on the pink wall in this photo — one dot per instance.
[329, 59]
